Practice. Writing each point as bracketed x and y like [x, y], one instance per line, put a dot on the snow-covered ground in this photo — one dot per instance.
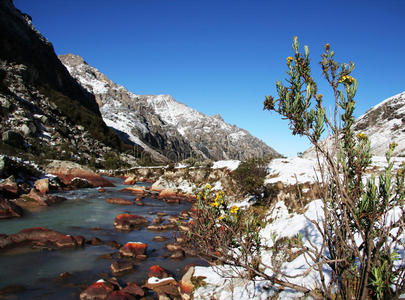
[219, 283]
[232, 165]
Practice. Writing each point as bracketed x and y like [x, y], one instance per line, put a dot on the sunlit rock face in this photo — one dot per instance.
[162, 125]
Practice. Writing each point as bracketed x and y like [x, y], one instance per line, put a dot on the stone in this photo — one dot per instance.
[173, 247]
[98, 290]
[114, 244]
[80, 183]
[9, 210]
[157, 271]
[129, 222]
[67, 171]
[173, 219]
[179, 254]
[185, 284]
[41, 236]
[159, 238]
[119, 295]
[133, 289]
[162, 227]
[131, 180]
[95, 241]
[133, 249]
[120, 201]
[166, 285]
[42, 185]
[157, 221]
[9, 187]
[120, 266]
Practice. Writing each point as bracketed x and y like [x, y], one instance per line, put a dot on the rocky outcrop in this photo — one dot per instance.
[40, 236]
[68, 171]
[161, 125]
[383, 124]
[44, 112]
[133, 249]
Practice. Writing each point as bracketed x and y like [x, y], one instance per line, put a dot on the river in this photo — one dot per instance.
[85, 213]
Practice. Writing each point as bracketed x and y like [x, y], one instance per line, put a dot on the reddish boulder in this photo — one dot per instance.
[157, 271]
[129, 222]
[98, 290]
[133, 289]
[119, 201]
[34, 199]
[41, 236]
[139, 191]
[67, 171]
[9, 210]
[133, 249]
[42, 185]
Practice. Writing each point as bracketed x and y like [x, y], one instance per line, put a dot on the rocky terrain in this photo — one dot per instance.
[383, 124]
[161, 125]
[44, 112]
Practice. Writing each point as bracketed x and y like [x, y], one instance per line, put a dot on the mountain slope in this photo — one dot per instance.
[383, 124]
[43, 110]
[160, 124]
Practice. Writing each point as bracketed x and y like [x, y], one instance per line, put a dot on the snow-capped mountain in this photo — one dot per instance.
[161, 125]
[383, 124]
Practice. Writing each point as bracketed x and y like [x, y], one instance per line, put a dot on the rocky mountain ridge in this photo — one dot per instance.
[383, 124]
[161, 125]
[44, 112]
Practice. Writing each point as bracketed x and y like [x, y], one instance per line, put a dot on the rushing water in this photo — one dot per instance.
[84, 213]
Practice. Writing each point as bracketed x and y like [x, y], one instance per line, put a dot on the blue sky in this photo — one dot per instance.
[221, 56]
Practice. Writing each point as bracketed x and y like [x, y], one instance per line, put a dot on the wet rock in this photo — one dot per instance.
[173, 201]
[119, 295]
[41, 236]
[114, 244]
[34, 199]
[139, 203]
[133, 249]
[9, 210]
[173, 219]
[157, 271]
[166, 285]
[159, 238]
[95, 241]
[133, 289]
[137, 190]
[129, 222]
[67, 171]
[9, 187]
[98, 290]
[42, 185]
[161, 214]
[185, 284]
[101, 190]
[64, 276]
[177, 254]
[80, 183]
[157, 221]
[173, 247]
[162, 227]
[119, 266]
[119, 201]
[131, 180]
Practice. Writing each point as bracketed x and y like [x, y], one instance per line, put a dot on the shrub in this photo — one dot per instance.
[250, 176]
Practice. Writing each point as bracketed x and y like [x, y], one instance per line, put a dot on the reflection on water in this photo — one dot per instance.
[83, 212]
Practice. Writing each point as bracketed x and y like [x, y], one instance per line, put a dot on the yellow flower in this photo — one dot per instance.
[234, 209]
[346, 79]
[221, 217]
[362, 136]
[289, 59]
[208, 186]
[214, 204]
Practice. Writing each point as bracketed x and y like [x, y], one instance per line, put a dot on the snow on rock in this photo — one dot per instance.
[231, 165]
